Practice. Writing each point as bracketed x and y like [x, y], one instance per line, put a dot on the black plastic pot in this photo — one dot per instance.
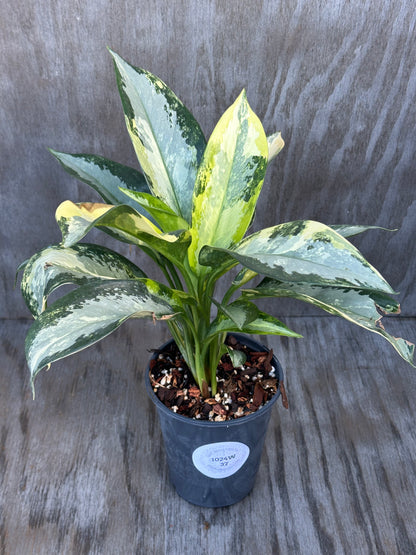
[214, 464]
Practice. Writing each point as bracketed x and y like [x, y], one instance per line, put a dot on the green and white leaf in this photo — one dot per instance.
[238, 358]
[167, 139]
[244, 276]
[229, 179]
[357, 306]
[76, 220]
[275, 144]
[220, 259]
[261, 324]
[240, 312]
[308, 252]
[86, 315]
[351, 230]
[19, 269]
[166, 218]
[57, 265]
[105, 176]
[175, 298]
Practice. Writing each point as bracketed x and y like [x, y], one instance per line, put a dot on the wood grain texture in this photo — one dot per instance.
[337, 78]
[82, 469]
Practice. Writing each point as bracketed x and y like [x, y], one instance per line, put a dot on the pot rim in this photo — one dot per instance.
[226, 423]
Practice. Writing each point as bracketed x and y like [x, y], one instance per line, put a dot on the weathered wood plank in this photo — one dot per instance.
[82, 468]
[337, 78]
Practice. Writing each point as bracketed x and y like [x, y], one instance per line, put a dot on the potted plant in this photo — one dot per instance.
[189, 211]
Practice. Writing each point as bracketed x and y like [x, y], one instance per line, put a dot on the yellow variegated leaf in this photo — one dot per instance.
[229, 179]
[75, 220]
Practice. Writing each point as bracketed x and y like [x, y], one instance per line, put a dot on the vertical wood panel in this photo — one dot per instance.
[338, 78]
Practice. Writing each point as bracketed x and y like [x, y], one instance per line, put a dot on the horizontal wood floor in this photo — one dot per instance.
[82, 468]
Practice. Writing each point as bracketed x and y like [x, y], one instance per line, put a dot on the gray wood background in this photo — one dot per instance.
[338, 78]
[82, 469]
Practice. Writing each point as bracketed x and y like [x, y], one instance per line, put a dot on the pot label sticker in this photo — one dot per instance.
[220, 460]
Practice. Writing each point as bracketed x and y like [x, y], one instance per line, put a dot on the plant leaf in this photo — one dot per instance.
[75, 220]
[275, 144]
[308, 252]
[56, 265]
[175, 298]
[263, 324]
[164, 216]
[105, 176]
[220, 259]
[240, 312]
[357, 306]
[86, 315]
[238, 358]
[243, 277]
[167, 139]
[229, 179]
[351, 230]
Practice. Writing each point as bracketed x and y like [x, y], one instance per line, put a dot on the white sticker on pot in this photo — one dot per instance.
[220, 460]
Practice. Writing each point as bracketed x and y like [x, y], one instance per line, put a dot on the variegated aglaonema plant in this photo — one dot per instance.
[189, 211]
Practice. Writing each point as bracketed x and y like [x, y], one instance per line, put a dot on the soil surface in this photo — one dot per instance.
[240, 391]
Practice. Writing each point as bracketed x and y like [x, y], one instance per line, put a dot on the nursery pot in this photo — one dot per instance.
[214, 464]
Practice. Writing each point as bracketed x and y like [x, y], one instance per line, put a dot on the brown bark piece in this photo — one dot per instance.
[240, 391]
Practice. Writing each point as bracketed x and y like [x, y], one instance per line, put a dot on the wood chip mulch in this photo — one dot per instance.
[240, 391]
